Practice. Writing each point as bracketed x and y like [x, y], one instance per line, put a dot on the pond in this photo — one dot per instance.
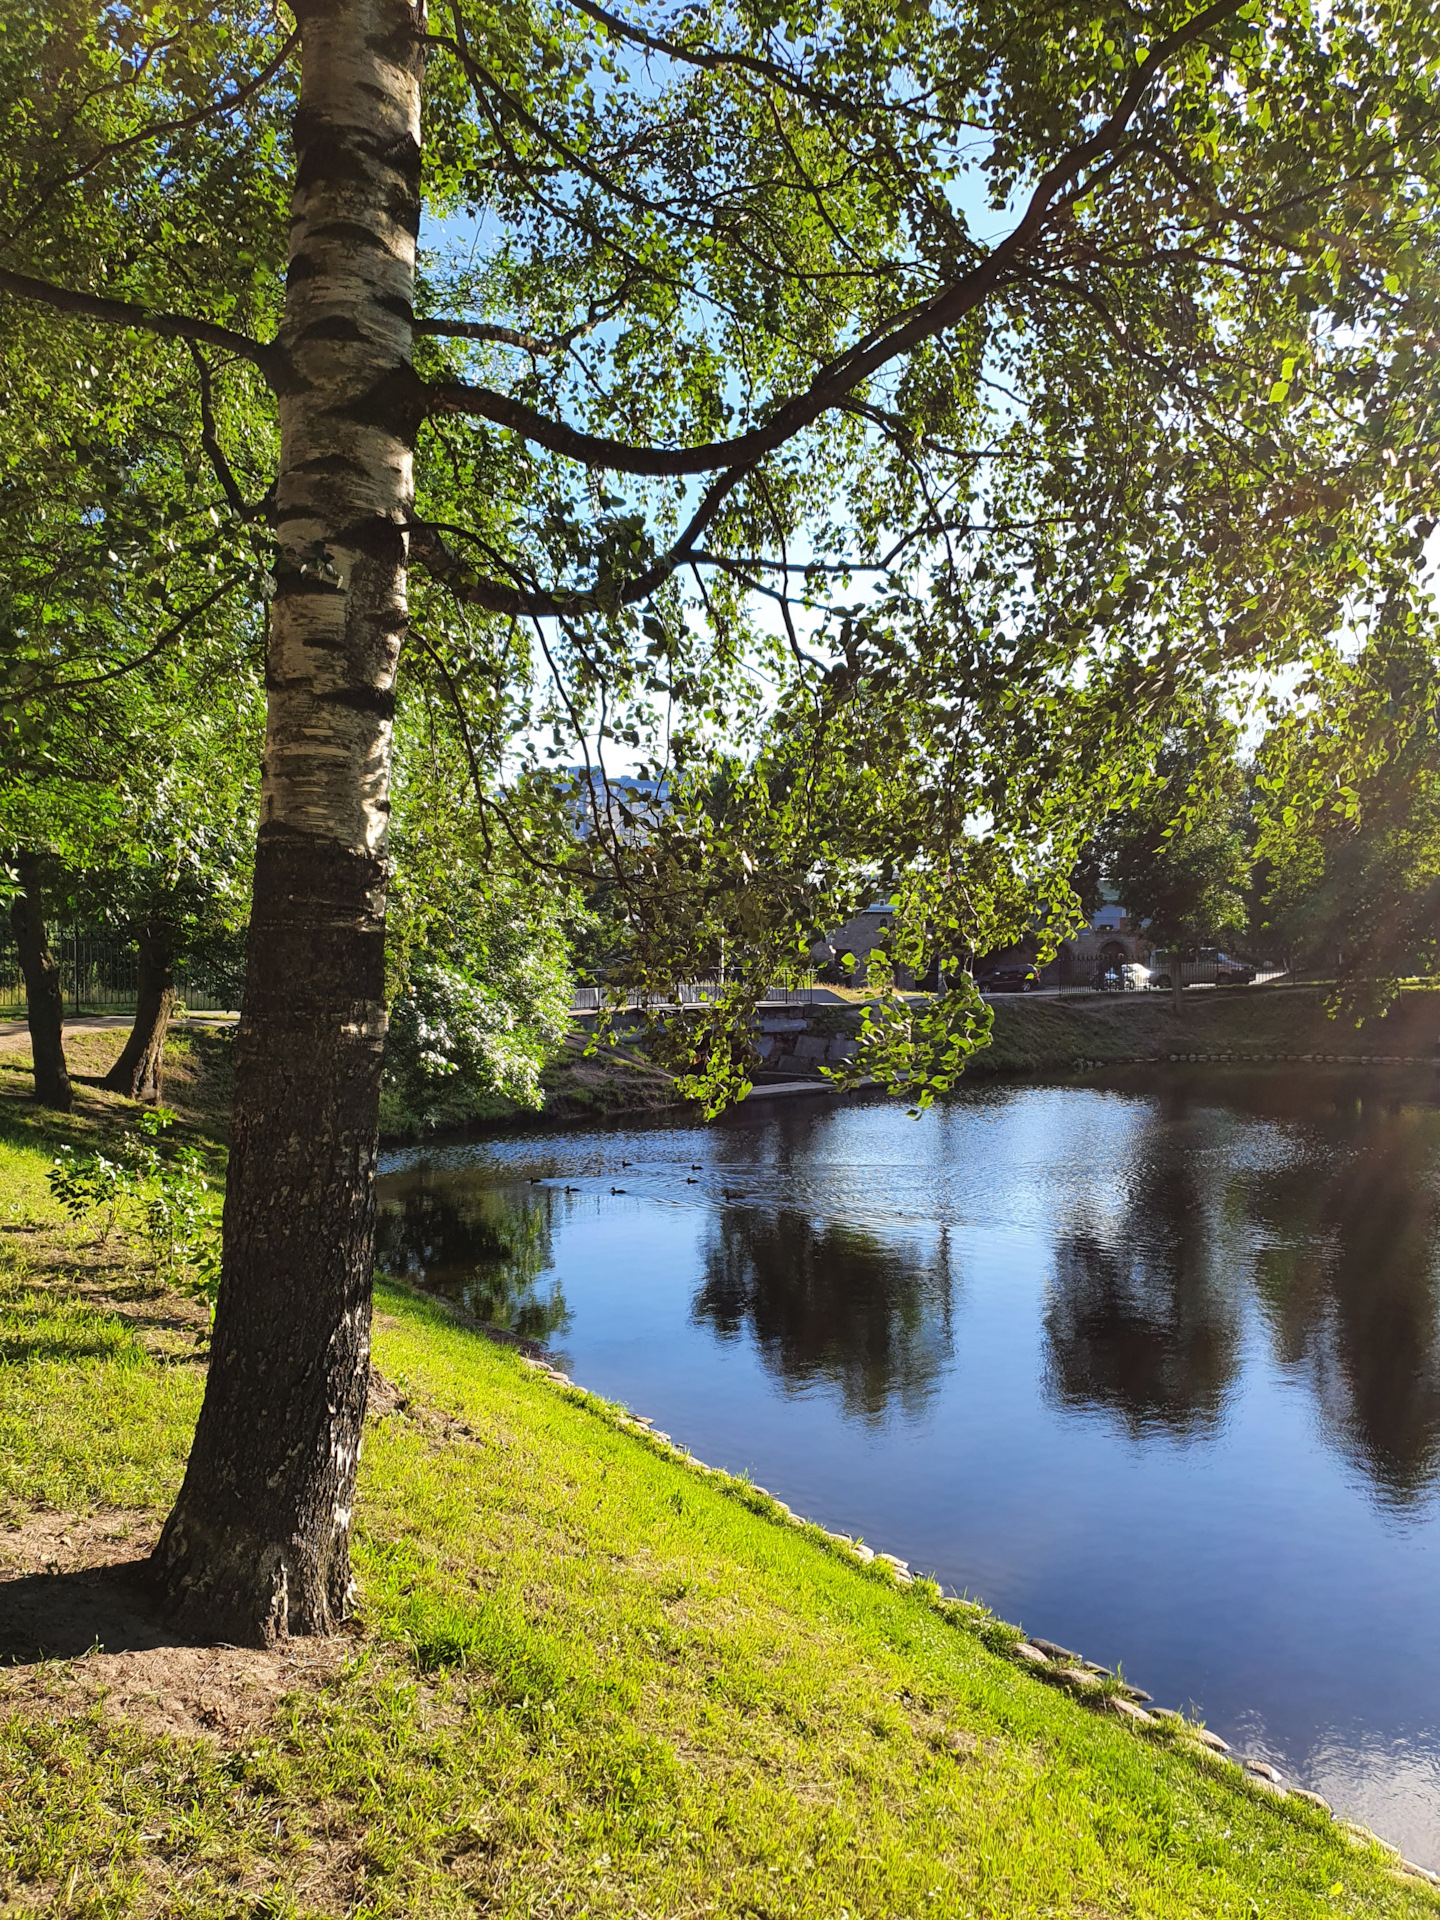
[1150, 1364]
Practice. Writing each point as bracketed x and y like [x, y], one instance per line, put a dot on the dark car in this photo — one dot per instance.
[1019, 979]
[1230, 972]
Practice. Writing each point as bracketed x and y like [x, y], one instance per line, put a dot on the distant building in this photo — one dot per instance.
[1111, 939]
[858, 939]
[624, 803]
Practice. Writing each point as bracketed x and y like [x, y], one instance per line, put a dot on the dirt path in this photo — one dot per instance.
[15, 1035]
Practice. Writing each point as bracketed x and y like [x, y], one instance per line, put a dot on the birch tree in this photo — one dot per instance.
[1022, 365]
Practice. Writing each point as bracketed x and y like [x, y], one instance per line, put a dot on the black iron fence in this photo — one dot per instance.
[684, 993]
[1070, 975]
[98, 975]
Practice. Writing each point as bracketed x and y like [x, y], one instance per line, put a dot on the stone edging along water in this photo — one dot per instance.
[1093, 1686]
[1083, 1062]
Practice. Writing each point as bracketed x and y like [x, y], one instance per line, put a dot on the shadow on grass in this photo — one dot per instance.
[69, 1347]
[61, 1616]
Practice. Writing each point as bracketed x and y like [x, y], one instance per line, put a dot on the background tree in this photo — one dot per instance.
[1180, 856]
[1349, 812]
[733, 324]
[173, 872]
[128, 657]
[477, 954]
[44, 999]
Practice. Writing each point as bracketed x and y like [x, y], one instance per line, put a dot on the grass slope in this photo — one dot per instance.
[1035, 1035]
[577, 1086]
[588, 1680]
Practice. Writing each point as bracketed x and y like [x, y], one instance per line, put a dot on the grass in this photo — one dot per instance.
[1045, 1034]
[588, 1680]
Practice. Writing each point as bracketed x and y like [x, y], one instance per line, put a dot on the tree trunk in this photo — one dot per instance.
[140, 1069]
[258, 1545]
[44, 1001]
[1177, 990]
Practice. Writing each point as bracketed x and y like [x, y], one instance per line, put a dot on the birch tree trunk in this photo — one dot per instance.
[139, 1072]
[44, 1001]
[258, 1545]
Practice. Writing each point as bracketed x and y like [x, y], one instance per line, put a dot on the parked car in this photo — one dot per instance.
[1209, 964]
[1017, 979]
[1121, 976]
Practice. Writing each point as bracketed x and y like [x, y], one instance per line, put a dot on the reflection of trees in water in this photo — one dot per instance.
[1339, 1235]
[1350, 1289]
[1138, 1322]
[483, 1247]
[831, 1303]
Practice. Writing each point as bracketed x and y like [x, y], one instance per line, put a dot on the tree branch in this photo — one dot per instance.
[210, 440]
[126, 313]
[840, 376]
[496, 596]
[718, 60]
[489, 333]
[171, 634]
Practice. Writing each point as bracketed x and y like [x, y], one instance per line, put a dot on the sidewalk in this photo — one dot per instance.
[13, 1030]
[14, 1033]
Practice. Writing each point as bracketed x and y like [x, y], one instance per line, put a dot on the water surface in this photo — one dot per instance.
[1150, 1365]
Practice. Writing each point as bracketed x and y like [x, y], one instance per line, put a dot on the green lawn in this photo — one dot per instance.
[589, 1680]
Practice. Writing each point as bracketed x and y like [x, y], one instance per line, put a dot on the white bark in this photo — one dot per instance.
[258, 1544]
[346, 466]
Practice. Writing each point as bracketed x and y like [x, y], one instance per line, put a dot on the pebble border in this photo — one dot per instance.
[1091, 1685]
[1084, 1062]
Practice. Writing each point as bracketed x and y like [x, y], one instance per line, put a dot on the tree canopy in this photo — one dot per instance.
[868, 422]
[1349, 813]
[929, 394]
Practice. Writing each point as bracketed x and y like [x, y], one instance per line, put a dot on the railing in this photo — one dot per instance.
[685, 993]
[98, 975]
[1079, 976]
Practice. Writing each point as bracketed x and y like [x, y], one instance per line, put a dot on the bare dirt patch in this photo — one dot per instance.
[15, 1035]
[79, 1628]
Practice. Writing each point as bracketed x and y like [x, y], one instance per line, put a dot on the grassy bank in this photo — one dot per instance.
[577, 1086]
[1046, 1034]
[587, 1679]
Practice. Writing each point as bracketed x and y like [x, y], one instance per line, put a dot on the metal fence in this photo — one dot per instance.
[685, 993]
[98, 975]
[1193, 973]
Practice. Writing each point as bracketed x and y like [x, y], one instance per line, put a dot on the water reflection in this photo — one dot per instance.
[486, 1248]
[1331, 1218]
[1245, 1263]
[1141, 1320]
[826, 1301]
[1350, 1290]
